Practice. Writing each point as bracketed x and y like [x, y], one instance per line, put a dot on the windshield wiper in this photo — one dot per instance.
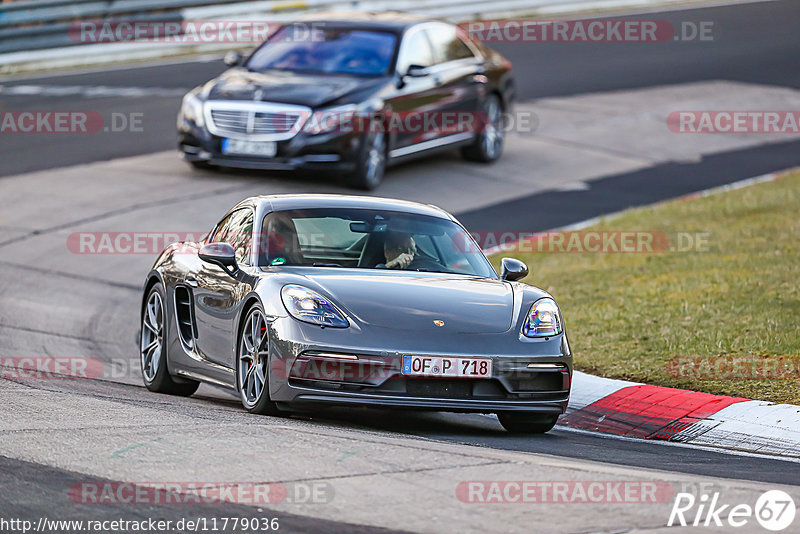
[321, 264]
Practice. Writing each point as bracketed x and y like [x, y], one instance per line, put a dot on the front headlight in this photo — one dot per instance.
[192, 109]
[544, 319]
[328, 120]
[309, 306]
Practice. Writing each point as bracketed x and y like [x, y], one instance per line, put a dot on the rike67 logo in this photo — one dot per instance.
[774, 510]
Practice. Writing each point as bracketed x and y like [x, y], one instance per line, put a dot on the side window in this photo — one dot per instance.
[446, 44]
[237, 230]
[243, 238]
[223, 229]
[416, 50]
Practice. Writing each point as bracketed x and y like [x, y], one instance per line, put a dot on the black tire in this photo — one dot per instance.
[259, 403]
[371, 163]
[526, 423]
[155, 374]
[488, 145]
[201, 165]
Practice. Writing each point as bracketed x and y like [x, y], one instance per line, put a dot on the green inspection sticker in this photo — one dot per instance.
[278, 261]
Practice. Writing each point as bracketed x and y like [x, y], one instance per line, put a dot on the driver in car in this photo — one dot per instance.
[399, 249]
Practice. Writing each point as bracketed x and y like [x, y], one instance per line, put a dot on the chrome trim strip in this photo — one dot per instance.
[252, 108]
[433, 143]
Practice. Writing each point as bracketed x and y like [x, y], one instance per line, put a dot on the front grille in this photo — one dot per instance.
[257, 121]
[440, 388]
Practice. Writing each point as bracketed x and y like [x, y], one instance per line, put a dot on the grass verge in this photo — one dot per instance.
[717, 311]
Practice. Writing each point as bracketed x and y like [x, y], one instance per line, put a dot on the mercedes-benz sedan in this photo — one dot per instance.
[351, 94]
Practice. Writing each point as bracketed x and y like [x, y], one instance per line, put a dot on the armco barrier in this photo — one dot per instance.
[34, 34]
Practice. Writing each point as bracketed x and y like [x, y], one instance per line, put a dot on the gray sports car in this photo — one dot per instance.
[308, 300]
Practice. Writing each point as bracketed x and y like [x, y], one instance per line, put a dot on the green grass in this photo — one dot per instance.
[628, 315]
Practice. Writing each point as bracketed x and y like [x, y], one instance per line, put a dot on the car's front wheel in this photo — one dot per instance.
[527, 424]
[153, 348]
[371, 163]
[252, 364]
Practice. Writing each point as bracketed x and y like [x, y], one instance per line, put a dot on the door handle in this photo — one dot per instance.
[191, 282]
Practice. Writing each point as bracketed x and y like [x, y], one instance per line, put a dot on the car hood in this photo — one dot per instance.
[415, 302]
[284, 87]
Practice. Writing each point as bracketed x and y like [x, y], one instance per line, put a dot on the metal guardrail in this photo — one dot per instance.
[39, 24]
[35, 34]
[42, 24]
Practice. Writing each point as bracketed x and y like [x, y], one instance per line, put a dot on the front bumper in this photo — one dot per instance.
[335, 152]
[532, 378]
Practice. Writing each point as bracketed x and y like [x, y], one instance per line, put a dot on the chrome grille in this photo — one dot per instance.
[252, 120]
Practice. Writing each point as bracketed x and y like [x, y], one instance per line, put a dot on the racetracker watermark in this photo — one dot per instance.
[735, 121]
[588, 31]
[583, 241]
[130, 242]
[735, 367]
[50, 367]
[188, 32]
[573, 492]
[187, 493]
[352, 121]
[69, 367]
[68, 122]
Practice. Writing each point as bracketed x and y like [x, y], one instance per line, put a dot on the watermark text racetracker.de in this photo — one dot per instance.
[584, 241]
[588, 31]
[734, 121]
[192, 32]
[735, 367]
[68, 122]
[200, 492]
[571, 492]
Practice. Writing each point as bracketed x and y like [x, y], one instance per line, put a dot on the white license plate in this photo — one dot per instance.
[266, 149]
[450, 367]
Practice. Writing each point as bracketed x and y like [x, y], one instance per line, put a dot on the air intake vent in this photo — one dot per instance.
[184, 309]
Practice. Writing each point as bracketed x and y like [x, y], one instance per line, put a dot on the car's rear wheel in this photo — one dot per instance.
[153, 343]
[526, 423]
[371, 164]
[252, 364]
[488, 145]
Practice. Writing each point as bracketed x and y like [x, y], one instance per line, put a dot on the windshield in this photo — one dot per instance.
[326, 50]
[370, 239]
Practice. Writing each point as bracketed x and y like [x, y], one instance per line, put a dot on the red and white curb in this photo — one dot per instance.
[655, 412]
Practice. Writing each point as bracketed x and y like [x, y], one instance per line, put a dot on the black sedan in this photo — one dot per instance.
[352, 95]
[300, 301]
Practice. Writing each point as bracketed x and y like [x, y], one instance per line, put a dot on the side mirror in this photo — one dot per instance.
[221, 254]
[233, 58]
[413, 71]
[513, 270]
[416, 71]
